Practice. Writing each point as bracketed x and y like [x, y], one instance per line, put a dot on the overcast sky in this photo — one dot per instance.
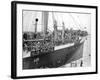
[71, 20]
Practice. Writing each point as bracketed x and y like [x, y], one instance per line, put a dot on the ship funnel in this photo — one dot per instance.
[45, 22]
[36, 21]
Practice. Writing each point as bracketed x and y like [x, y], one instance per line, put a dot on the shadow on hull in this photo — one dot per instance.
[54, 59]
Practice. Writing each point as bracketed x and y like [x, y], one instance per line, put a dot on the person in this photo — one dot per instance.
[25, 36]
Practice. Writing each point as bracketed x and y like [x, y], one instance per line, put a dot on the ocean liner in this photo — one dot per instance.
[52, 49]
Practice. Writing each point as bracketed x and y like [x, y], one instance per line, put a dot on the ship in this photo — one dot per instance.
[52, 49]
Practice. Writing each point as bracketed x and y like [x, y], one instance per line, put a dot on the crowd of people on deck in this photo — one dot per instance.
[36, 43]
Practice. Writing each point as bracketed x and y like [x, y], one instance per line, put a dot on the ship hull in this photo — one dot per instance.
[55, 59]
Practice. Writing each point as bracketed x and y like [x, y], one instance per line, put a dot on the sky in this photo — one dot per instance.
[71, 20]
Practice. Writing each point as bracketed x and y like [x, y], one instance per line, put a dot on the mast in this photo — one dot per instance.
[63, 31]
[55, 27]
[55, 30]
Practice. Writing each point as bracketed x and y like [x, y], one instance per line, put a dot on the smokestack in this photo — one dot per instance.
[45, 22]
[36, 21]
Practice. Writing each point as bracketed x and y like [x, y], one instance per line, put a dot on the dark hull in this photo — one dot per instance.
[55, 59]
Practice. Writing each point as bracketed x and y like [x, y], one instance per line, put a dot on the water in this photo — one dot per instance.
[87, 52]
